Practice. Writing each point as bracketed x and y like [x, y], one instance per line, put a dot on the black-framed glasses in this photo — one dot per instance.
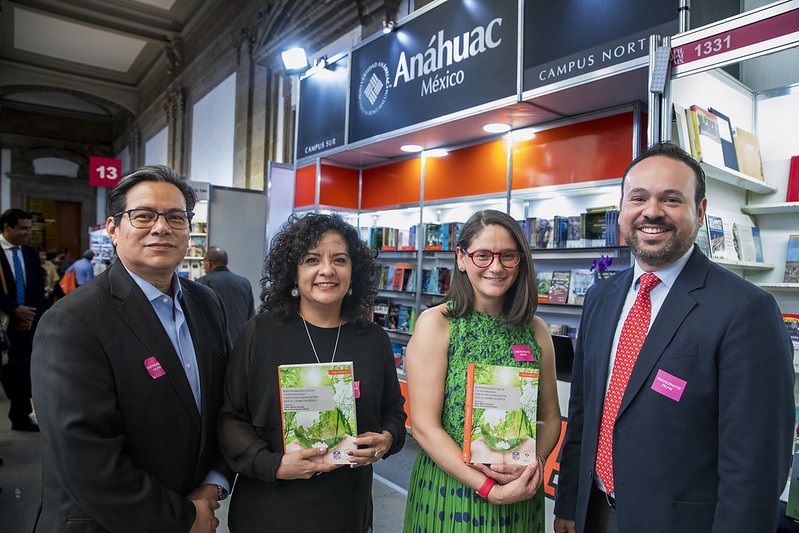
[484, 258]
[145, 218]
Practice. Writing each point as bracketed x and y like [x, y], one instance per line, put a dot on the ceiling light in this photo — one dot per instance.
[524, 134]
[413, 148]
[294, 60]
[496, 127]
[436, 152]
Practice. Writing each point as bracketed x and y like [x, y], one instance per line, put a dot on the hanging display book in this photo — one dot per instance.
[499, 425]
[318, 409]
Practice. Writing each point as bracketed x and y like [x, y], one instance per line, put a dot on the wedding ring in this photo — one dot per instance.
[319, 473]
[378, 453]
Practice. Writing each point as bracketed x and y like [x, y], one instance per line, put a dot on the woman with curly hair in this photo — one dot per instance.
[317, 293]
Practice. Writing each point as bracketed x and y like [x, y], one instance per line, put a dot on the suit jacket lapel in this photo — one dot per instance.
[675, 309]
[138, 314]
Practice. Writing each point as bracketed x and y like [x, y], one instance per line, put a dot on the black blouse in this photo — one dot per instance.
[250, 428]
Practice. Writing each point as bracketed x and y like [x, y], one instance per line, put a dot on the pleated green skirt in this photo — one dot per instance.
[438, 503]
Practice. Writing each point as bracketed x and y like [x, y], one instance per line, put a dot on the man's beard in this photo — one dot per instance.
[667, 253]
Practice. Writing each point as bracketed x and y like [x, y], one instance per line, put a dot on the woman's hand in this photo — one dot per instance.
[500, 472]
[299, 464]
[371, 447]
[522, 488]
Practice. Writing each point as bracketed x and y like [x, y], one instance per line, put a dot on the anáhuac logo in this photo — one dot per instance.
[373, 90]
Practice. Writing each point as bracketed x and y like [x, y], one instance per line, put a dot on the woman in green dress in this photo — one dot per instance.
[488, 316]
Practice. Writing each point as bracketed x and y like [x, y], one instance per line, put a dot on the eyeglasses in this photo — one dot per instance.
[484, 258]
[144, 218]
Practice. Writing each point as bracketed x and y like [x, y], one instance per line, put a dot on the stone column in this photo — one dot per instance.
[175, 108]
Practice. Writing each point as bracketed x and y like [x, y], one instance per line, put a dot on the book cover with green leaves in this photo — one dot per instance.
[501, 404]
[318, 406]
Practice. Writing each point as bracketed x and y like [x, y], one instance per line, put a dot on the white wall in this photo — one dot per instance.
[213, 127]
[156, 148]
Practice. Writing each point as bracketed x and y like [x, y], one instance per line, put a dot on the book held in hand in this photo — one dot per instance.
[317, 403]
[501, 404]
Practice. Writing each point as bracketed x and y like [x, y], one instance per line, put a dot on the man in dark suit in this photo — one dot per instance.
[702, 436]
[21, 295]
[235, 290]
[127, 378]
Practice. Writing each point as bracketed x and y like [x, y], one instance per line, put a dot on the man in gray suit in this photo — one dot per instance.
[127, 379]
[699, 439]
[235, 290]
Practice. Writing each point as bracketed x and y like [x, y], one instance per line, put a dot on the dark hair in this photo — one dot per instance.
[12, 216]
[521, 300]
[291, 244]
[672, 151]
[216, 255]
[116, 202]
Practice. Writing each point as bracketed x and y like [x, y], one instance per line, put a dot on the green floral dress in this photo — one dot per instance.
[437, 502]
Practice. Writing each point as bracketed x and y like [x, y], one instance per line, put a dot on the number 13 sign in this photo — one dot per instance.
[104, 171]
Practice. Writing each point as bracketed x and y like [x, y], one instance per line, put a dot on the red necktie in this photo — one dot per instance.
[633, 334]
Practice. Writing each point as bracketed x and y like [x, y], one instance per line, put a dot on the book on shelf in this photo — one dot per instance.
[432, 237]
[726, 136]
[792, 323]
[544, 281]
[317, 403]
[581, 280]
[747, 148]
[744, 242]
[792, 260]
[399, 355]
[593, 223]
[559, 287]
[707, 141]
[793, 180]
[560, 231]
[682, 138]
[703, 240]
[382, 277]
[380, 312]
[392, 318]
[500, 415]
[543, 233]
[404, 318]
[715, 231]
[758, 242]
[575, 239]
[399, 277]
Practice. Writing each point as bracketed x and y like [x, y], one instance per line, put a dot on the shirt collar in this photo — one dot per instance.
[149, 289]
[667, 275]
[5, 244]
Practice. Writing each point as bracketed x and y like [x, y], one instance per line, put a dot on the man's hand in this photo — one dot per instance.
[204, 519]
[562, 525]
[25, 315]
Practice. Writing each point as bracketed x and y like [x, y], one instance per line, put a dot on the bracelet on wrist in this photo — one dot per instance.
[486, 487]
[541, 458]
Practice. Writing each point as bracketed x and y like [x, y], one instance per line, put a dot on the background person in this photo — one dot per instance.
[702, 438]
[83, 268]
[320, 278]
[127, 379]
[235, 290]
[21, 296]
[489, 308]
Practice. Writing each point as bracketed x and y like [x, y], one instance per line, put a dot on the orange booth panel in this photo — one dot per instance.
[404, 390]
[339, 187]
[305, 186]
[391, 185]
[593, 150]
[476, 170]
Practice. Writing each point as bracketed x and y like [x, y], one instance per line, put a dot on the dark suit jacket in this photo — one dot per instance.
[717, 459]
[236, 294]
[20, 350]
[121, 447]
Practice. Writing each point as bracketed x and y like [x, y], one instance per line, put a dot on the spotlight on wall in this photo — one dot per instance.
[389, 24]
[411, 148]
[496, 127]
[295, 61]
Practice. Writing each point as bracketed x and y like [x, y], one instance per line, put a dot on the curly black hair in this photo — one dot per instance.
[291, 244]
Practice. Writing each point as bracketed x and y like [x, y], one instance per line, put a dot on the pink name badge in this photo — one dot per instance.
[522, 352]
[356, 389]
[154, 367]
[669, 386]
